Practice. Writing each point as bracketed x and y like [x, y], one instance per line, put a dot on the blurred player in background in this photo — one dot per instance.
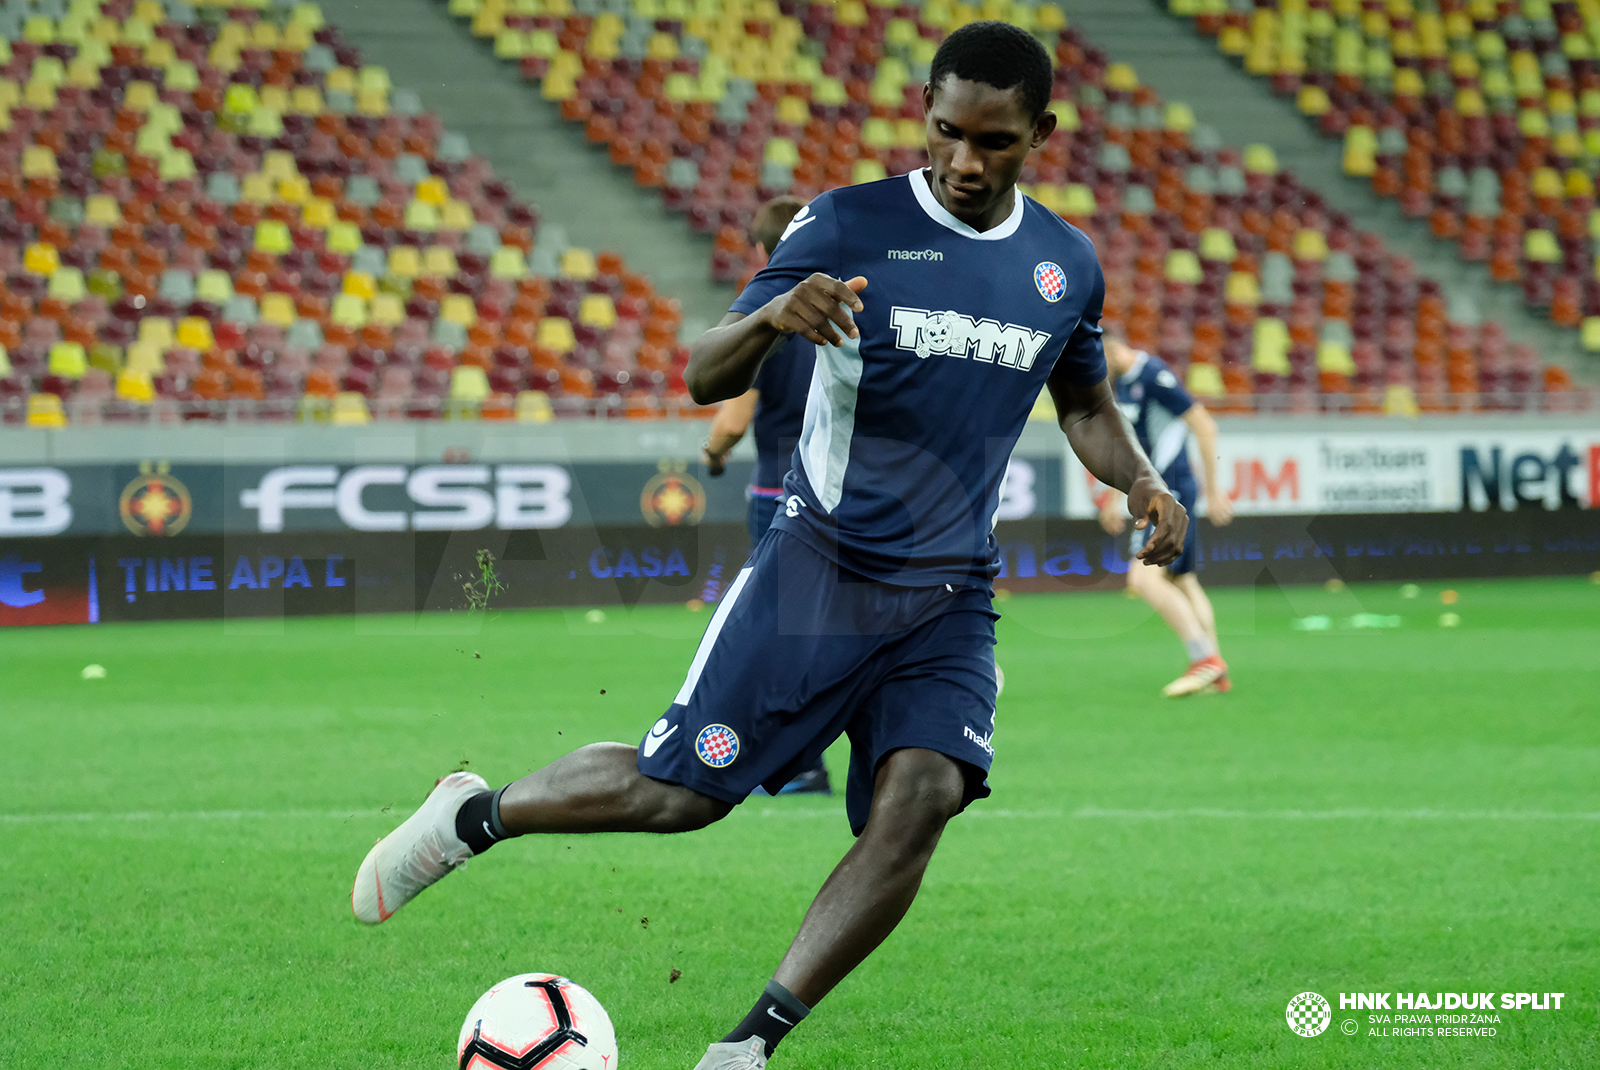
[777, 407]
[1165, 417]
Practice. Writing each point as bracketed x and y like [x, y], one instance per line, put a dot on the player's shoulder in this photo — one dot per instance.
[1158, 372]
[1045, 223]
[884, 193]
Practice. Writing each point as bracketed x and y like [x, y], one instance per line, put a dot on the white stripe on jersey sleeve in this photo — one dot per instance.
[1167, 442]
[831, 420]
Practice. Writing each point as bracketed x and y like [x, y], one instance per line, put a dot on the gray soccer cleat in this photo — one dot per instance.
[748, 1054]
[423, 849]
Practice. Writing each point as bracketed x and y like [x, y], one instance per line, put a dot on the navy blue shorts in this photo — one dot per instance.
[801, 651]
[1189, 560]
[762, 512]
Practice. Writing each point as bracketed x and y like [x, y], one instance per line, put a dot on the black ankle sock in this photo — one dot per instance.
[775, 1013]
[478, 821]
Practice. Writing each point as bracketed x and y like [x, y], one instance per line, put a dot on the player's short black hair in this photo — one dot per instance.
[997, 54]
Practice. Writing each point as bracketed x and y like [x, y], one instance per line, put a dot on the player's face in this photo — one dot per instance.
[978, 140]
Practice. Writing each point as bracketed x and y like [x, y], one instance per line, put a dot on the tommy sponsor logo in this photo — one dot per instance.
[952, 334]
[658, 735]
[915, 254]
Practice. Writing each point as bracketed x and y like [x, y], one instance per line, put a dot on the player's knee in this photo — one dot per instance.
[689, 810]
[919, 791]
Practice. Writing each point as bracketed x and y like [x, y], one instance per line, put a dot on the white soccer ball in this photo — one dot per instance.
[537, 1021]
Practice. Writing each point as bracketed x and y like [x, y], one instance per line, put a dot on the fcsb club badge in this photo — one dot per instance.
[155, 503]
[672, 498]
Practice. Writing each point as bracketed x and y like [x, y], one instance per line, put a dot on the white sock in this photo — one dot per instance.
[1199, 649]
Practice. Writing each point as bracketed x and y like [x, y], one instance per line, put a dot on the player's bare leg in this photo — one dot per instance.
[916, 793]
[1200, 602]
[1207, 671]
[597, 788]
[1152, 583]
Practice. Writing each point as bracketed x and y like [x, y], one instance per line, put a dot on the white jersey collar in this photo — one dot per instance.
[939, 214]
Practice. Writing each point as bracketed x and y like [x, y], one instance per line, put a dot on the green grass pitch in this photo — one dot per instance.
[1379, 809]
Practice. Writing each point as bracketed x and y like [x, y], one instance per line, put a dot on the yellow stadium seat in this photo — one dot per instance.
[1241, 288]
[135, 386]
[1269, 351]
[458, 308]
[213, 285]
[1183, 266]
[68, 359]
[556, 333]
[1216, 243]
[350, 409]
[439, 260]
[432, 190]
[1205, 380]
[273, 237]
[41, 258]
[596, 310]
[578, 263]
[507, 262]
[468, 382]
[45, 410]
[420, 215]
[144, 358]
[348, 310]
[405, 261]
[387, 310]
[276, 308]
[533, 407]
[343, 238]
[1335, 357]
[66, 284]
[195, 333]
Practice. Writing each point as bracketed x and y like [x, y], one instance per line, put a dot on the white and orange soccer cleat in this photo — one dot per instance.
[423, 849]
[1206, 675]
[748, 1054]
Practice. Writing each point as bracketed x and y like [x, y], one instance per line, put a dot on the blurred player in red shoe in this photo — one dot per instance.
[1165, 418]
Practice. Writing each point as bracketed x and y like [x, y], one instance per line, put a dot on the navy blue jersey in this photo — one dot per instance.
[1154, 401]
[783, 383]
[909, 427]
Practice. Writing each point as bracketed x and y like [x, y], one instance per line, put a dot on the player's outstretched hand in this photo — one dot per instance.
[1153, 505]
[716, 463]
[818, 310]
[1219, 510]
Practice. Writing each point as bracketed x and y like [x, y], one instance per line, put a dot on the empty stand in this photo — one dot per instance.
[212, 212]
[1216, 258]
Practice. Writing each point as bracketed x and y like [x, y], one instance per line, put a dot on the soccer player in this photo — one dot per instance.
[1165, 418]
[940, 303]
[776, 404]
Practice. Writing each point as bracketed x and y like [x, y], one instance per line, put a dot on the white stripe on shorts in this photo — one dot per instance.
[709, 639]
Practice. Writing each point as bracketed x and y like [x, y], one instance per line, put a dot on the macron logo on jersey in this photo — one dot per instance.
[915, 254]
[953, 334]
[801, 218]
